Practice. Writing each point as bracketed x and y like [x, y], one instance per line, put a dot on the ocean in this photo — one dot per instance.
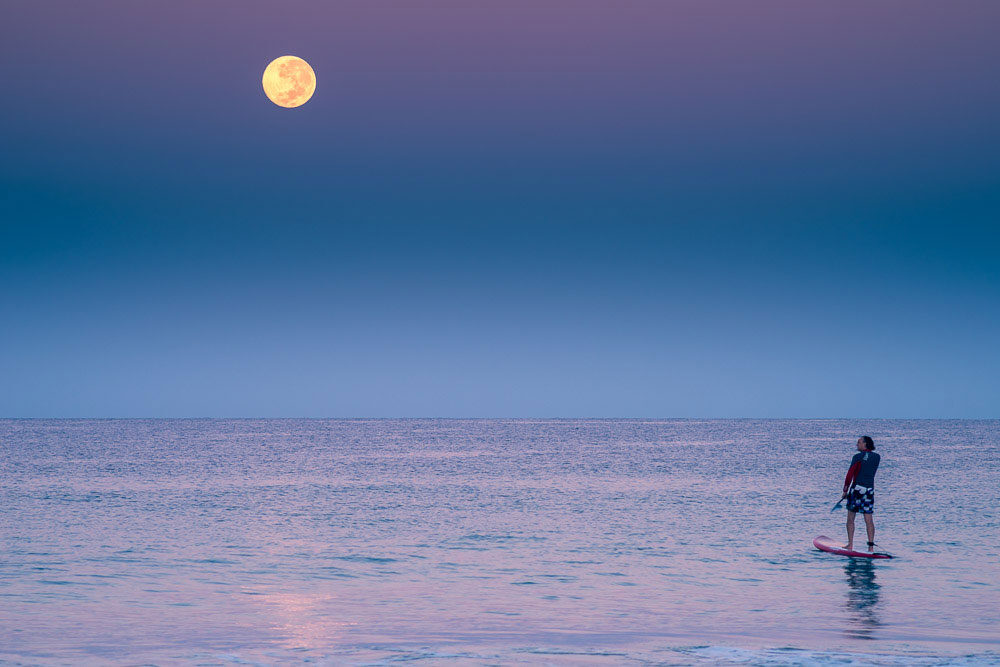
[492, 541]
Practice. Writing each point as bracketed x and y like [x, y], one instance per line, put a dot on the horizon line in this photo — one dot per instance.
[484, 418]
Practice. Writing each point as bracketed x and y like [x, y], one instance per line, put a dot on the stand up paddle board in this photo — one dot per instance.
[824, 543]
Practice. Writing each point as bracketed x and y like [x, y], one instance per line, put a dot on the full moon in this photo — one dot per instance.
[289, 81]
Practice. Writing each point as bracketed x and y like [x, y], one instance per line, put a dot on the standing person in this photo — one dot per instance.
[859, 489]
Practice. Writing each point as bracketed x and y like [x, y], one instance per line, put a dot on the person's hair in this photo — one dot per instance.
[869, 443]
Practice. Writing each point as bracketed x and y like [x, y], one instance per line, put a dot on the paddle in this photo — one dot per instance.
[837, 506]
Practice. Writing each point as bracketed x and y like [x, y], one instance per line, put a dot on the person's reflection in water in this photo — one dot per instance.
[862, 597]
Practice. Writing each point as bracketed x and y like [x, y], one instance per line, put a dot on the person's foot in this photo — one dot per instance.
[848, 546]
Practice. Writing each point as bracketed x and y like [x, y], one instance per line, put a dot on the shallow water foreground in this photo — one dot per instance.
[506, 541]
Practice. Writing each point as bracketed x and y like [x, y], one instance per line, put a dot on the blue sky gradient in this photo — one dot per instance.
[501, 209]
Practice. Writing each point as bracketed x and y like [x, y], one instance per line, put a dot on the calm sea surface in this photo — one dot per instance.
[492, 541]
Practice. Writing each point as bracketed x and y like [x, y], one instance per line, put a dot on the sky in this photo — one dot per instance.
[501, 209]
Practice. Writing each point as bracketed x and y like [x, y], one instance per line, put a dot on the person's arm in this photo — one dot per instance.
[852, 473]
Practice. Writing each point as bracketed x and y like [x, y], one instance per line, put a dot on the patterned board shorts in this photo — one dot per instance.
[861, 502]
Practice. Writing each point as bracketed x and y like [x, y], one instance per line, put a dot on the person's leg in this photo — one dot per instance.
[870, 527]
[850, 529]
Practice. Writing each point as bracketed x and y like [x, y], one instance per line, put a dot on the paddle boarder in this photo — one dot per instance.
[859, 490]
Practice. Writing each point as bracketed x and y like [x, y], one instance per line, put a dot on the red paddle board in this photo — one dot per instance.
[824, 543]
